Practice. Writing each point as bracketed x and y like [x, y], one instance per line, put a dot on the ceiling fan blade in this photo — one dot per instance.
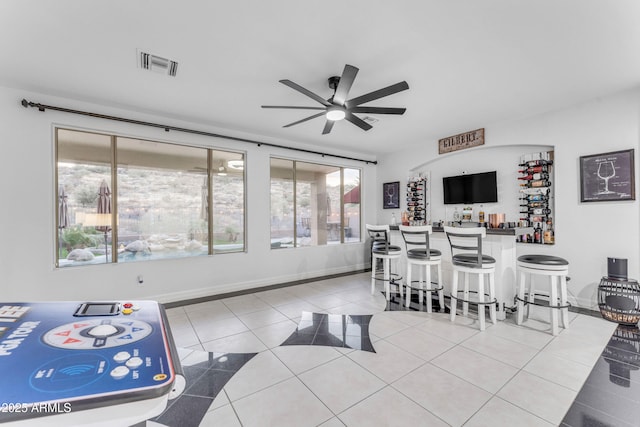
[376, 94]
[291, 107]
[357, 121]
[328, 126]
[304, 120]
[346, 81]
[378, 110]
[306, 92]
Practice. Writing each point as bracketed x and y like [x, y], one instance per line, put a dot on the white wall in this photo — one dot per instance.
[27, 225]
[586, 233]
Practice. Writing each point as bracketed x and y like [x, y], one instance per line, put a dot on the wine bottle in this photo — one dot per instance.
[537, 197]
[537, 204]
[414, 199]
[537, 211]
[535, 176]
[539, 183]
[534, 169]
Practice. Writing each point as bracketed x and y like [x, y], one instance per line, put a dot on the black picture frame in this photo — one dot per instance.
[608, 177]
[391, 195]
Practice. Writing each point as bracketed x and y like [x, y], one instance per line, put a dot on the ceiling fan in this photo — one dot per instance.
[338, 107]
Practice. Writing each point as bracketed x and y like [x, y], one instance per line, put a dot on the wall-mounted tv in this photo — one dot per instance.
[471, 188]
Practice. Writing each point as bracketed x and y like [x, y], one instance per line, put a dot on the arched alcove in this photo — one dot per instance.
[503, 159]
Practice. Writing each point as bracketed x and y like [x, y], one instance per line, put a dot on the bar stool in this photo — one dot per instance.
[416, 240]
[553, 267]
[471, 260]
[382, 249]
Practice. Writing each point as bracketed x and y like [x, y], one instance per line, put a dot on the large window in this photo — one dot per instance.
[313, 204]
[124, 200]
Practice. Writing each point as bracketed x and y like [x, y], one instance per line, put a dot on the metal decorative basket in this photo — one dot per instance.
[619, 300]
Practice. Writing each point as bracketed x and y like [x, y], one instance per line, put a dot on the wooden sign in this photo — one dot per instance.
[461, 141]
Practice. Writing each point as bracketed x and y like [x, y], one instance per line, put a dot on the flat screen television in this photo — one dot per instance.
[471, 188]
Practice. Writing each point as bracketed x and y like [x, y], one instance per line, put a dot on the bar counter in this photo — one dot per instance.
[500, 243]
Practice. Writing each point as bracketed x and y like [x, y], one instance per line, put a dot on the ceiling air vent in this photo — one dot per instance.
[148, 61]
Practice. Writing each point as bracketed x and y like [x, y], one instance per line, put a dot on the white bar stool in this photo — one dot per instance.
[471, 260]
[382, 249]
[416, 240]
[553, 267]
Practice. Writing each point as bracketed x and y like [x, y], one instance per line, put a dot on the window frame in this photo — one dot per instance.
[341, 169]
[113, 168]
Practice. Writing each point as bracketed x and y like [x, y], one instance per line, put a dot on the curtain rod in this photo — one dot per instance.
[43, 107]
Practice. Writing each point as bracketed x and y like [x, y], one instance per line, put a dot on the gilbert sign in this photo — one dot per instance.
[461, 141]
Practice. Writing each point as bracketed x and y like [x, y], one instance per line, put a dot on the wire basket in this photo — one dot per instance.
[619, 300]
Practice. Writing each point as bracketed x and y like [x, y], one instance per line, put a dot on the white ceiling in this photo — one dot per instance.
[469, 63]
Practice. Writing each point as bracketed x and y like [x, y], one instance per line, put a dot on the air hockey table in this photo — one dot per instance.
[110, 363]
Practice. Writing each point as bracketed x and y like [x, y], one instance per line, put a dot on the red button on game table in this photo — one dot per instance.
[127, 305]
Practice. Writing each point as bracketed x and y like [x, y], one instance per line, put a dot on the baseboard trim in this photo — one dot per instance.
[223, 295]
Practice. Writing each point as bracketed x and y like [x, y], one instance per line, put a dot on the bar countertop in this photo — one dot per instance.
[517, 231]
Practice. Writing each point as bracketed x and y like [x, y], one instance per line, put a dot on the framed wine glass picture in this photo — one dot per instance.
[607, 177]
[391, 195]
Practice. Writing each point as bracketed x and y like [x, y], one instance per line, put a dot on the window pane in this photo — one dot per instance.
[160, 200]
[84, 163]
[282, 208]
[228, 201]
[318, 203]
[351, 200]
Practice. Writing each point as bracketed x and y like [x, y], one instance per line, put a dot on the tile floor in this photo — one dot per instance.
[424, 370]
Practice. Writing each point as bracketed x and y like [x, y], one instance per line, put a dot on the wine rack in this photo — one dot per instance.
[536, 197]
[417, 201]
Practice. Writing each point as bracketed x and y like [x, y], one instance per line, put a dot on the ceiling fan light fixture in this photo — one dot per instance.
[335, 113]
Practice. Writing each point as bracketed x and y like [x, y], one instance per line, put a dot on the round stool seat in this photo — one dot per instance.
[471, 260]
[387, 250]
[543, 262]
[421, 254]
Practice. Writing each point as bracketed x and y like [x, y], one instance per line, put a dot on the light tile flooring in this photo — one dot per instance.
[426, 370]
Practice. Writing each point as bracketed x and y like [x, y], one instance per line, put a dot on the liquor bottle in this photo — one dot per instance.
[456, 215]
[537, 235]
[548, 232]
[405, 218]
[481, 215]
[413, 199]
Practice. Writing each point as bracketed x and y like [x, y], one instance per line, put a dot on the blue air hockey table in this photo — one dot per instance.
[110, 363]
